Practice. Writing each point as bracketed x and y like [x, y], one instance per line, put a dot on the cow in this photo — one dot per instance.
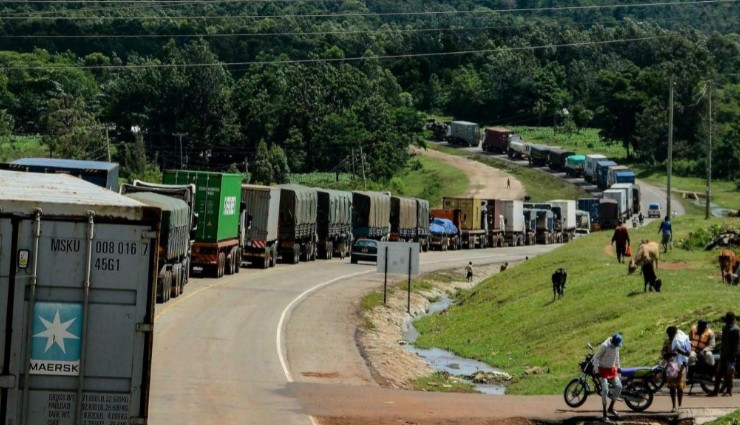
[559, 277]
[728, 264]
[650, 279]
[647, 251]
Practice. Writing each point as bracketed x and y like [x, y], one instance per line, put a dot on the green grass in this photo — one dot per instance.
[538, 185]
[724, 193]
[441, 382]
[509, 321]
[16, 147]
[731, 419]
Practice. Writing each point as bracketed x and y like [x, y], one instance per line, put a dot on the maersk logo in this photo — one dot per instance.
[56, 342]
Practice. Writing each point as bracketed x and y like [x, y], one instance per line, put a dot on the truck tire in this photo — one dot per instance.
[230, 260]
[238, 264]
[273, 256]
[162, 295]
[167, 287]
[220, 268]
[175, 288]
[296, 254]
[329, 251]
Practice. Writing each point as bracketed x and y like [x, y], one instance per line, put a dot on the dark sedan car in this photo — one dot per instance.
[365, 250]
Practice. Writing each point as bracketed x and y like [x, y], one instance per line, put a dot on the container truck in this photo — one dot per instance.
[545, 226]
[589, 168]
[591, 205]
[403, 219]
[625, 176]
[179, 224]
[608, 213]
[621, 198]
[496, 222]
[538, 155]
[372, 215]
[104, 174]
[297, 237]
[636, 199]
[583, 222]
[473, 223]
[611, 176]
[566, 225]
[260, 246]
[602, 170]
[443, 234]
[496, 139]
[77, 285]
[514, 226]
[628, 196]
[518, 149]
[423, 215]
[556, 158]
[464, 133]
[574, 165]
[220, 235]
[334, 223]
[530, 226]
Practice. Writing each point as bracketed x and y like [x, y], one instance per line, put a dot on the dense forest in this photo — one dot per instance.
[303, 85]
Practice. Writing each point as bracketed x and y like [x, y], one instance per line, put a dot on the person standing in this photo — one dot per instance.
[675, 350]
[469, 271]
[728, 356]
[606, 362]
[666, 232]
[621, 238]
[508, 183]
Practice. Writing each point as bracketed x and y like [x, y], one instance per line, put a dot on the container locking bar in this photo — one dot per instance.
[85, 315]
[144, 327]
[29, 317]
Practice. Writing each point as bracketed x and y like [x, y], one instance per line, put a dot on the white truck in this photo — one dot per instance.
[583, 222]
[589, 167]
[514, 229]
[621, 198]
[566, 226]
[628, 194]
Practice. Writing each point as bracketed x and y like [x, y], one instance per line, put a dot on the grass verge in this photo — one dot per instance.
[731, 419]
[511, 322]
[538, 185]
[442, 382]
[725, 194]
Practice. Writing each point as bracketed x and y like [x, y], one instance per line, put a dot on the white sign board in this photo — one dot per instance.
[399, 256]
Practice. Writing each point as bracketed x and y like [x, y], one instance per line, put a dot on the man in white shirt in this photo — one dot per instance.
[606, 362]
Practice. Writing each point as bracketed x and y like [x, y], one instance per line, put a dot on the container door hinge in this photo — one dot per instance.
[7, 381]
[144, 327]
[149, 234]
[137, 421]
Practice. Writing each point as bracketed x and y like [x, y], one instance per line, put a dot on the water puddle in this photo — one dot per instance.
[444, 361]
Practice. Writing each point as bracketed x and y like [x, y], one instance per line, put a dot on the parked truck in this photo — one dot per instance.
[621, 198]
[79, 269]
[260, 246]
[518, 149]
[423, 216]
[556, 158]
[464, 133]
[625, 176]
[473, 223]
[104, 174]
[538, 155]
[403, 219]
[574, 165]
[611, 176]
[583, 222]
[372, 215]
[589, 168]
[530, 226]
[297, 237]
[566, 224]
[496, 139]
[628, 196]
[591, 205]
[545, 226]
[443, 234]
[514, 226]
[602, 172]
[334, 223]
[179, 223]
[496, 222]
[608, 213]
[220, 235]
[636, 199]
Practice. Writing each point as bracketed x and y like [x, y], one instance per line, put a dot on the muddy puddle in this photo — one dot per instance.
[444, 361]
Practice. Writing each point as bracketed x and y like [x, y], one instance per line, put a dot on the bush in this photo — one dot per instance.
[698, 239]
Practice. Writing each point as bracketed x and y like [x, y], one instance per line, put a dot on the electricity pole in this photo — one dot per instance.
[182, 163]
[670, 146]
[709, 153]
[362, 158]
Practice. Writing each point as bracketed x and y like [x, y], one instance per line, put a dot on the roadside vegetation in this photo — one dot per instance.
[731, 419]
[15, 147]
[510, 321]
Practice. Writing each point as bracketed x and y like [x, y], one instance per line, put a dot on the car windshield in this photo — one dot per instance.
[654, 206]
[366, 243]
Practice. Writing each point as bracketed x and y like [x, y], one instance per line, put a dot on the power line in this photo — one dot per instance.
[374, 14]
[333, 60]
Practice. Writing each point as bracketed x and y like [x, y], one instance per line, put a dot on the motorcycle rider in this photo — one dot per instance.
[702, 345]
[606, 361]
[728, 356]
[641, 217]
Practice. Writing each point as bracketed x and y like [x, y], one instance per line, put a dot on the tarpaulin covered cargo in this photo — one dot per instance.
[465, 132]
[442, 227]
[334, 214]
[556, 158]
[298, 212]
[372, 214]
[78, 268]
[218, 199]
[539, 154]
[403, 216]
[470, 209]
[262, 210]
[422, 217]
[574, 165]
[104, 174]
[175, 221]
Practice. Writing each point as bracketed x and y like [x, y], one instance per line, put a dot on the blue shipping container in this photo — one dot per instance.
[104, 174]
[592, 206]
[625, 177]
[602, 172]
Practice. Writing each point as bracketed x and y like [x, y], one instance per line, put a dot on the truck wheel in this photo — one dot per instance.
[329, 251]
[238, 264]
[220, 268]
[175, 286]
[314, 252]
[161, 296]
[167, 285]
[296, 254]
[274, 256]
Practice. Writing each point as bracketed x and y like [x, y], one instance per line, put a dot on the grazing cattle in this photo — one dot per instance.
[504, 266]
[649, 277]
[728, 264]
[558, 283]
[648, 251]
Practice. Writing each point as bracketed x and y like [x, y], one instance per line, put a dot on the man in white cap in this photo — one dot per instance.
[606, 362]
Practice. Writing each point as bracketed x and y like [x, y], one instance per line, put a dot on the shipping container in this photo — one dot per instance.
[514, 227]
[602, 172]
[78, 265]
[611, 177]
[372, 215]
[608, 213]
[625, 177]
[568, 210]
[574, 165]
[556, 158]
[589, 168]
[620, 197]
[592, 206]
[628, 196]
[496, 139]
[473, 221]
[464, 133]
[262, 210]
[496, 222]
[104, 174]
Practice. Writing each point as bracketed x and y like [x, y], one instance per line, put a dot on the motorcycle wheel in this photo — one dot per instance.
[657, 382]
[640, 391]
[708, 386]
[575, 393]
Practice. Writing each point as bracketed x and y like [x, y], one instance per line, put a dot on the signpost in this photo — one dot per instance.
[398, 258]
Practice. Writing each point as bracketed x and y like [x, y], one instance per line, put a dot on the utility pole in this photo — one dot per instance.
[670, 146]
[362, 158]
[107, 141]
[182, 163]
[709, 154]
[353, 163]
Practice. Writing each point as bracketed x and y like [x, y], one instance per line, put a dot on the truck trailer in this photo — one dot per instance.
[262, 211]
[372, 215]
[179, 223]
[538, 155]
[496, 222]
[518, 149]
[443, 234]
[636, 199]
[514, 226]
[334, 221]
[472, 220]
[574, 165]
[591, 205]
[297, 237]
[496, 139]
[608, 213]
[403, 219]
[464, 133]
[602, 172]
[583, 222]
[589, 168]
[79, 265]
[566, 225]
[218, 202]
[611, 177]
[103, 174]
[556, 158]
[423, 216]
[628, 196]
[620, 197]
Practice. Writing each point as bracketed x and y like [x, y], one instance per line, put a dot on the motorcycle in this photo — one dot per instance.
[636, 392]
[634, 222]
[701, 374]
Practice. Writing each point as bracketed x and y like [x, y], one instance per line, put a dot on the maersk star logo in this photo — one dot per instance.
[56, 332]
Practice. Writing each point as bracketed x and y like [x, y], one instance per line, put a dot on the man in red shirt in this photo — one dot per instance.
[622, 239]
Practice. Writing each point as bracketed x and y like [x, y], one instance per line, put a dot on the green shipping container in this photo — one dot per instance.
[218, 197]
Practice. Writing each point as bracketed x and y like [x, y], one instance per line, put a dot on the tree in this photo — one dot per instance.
[279, 164]
[71, 131]
[262, 171]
